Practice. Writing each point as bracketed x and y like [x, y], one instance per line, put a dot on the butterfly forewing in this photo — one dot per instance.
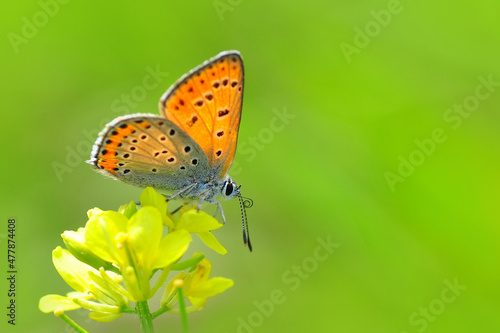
[206, 103]
[148, 150]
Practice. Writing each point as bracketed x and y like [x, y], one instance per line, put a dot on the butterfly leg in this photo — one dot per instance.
[202, 198]
[216, 211]
[182, 190]
[178, 208]
[219, 206]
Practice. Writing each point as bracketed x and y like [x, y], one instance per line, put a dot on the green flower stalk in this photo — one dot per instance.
[110, 262]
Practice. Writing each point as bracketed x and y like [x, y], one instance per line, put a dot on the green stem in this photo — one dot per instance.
[161, 280]
[161, 310]
[191, 262]
[182, 309]
[71, 323]
[127, 309]
[145, 317]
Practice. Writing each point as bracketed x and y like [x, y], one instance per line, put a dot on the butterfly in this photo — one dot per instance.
[188, 149]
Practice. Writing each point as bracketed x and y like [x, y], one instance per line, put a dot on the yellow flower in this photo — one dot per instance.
[202, 224]
[196, 286]
[110, 262]
[75, 243]
[89, 283]
[135, 246]
[189, 219]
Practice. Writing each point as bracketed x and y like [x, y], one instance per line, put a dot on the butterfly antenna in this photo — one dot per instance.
[245, 203]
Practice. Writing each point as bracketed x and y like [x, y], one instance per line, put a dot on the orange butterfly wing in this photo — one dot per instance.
[206, 103]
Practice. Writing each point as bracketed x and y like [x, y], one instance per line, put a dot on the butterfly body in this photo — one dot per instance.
[188, 149]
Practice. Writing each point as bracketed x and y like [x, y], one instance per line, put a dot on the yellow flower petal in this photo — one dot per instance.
[211, 287]
[194, 221]
[149, 197]
[75, 243]
[93, 211]
[209, 239]
[172, 247]
[104, 317]
[101, 236]
[77, 294]
[128, 210]
[197, 304]
[74, 272]
[49, 303]
[145, 229]
[201, 273]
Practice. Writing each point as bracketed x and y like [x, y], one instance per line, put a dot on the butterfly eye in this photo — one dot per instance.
[229, 189]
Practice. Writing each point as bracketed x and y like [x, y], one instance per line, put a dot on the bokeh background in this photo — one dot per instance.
[368, 125]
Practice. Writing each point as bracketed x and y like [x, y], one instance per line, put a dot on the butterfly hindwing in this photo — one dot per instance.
[206, 103]
[147, 150]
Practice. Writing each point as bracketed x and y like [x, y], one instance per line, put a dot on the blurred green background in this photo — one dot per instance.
[371, 125]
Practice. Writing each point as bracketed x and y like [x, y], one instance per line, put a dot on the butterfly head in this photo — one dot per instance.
[229, 189]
